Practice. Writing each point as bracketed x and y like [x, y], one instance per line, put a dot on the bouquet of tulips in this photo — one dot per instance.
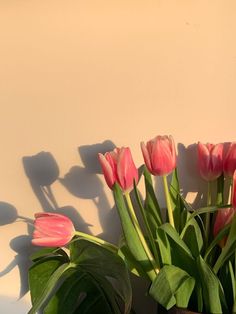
[189, 257]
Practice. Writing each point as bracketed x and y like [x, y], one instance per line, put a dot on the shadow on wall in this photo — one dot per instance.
[21, 245]
[84, 182]
[190, 179]
[81, 181]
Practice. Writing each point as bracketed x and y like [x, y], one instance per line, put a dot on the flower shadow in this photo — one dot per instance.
[84, 182]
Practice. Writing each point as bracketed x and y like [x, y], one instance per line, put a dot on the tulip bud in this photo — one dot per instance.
[159, 155]
[230, 160]
[118, 167]
[224, 217]
[210, 161]
[52, 230]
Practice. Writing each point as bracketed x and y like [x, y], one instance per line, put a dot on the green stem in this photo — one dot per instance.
[208, 215]
[140, 234]
[168, 202]
[108, 245]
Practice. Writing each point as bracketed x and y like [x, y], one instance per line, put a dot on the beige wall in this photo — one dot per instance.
[77, 73]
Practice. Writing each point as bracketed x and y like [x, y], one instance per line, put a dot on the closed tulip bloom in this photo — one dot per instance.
[52, 230]
[118, 167]
[210, 160]
[230, 160]
[224, 216]
[160, 155]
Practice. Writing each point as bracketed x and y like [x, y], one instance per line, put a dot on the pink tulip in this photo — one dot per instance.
[210, 160]
[118, 167]
[159, 155]
[230, 160]
[224, 216]
[52, 230]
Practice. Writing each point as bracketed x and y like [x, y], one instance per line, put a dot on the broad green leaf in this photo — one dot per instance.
[181, 255]
[47, 252]
[164, 247]
[84, 293]
[131, 236]
[152, 208]
[184, 293]
[44, 277]
[167, 283]
[229, 247]
[192, 236]
[211, 287]
[99, 261]
[129, 259]
[95, 280]
[227, 279]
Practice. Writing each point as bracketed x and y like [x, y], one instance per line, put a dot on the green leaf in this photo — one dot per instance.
[44, 277]
[47, 252]
[227, 279]
[100, 262]
[229, 247]
[146, 221]
[167, 284]
[211, 287]
[176, 202]
[130, 234]
[184, 293]
[164, 247]
[203, 210]
[95, 281]
[152, 208]
[192, 236]
[181, 256]
[84, 293]
[223, 232]
[129, 259]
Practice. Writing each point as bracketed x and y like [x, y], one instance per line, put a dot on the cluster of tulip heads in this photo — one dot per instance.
[214, 161]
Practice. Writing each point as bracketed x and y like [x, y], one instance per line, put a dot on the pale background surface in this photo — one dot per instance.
[78, 73]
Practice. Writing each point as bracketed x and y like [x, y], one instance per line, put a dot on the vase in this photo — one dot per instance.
[174, 310]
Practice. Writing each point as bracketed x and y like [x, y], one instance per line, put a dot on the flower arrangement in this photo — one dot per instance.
[189, 258]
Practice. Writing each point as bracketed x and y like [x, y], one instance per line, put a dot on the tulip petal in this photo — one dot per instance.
[230, 160]
[52, 229]
[126, 170]
[107, 170]
[224, 217]
[51, 242]
[146, 155]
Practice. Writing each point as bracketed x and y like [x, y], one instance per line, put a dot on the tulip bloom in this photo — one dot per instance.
[118, 167]
[230, 160]
[52, 230]
[210, 161]
[159, 155]
[224, 216]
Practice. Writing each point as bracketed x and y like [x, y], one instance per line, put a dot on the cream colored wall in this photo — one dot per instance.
[77, 73]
